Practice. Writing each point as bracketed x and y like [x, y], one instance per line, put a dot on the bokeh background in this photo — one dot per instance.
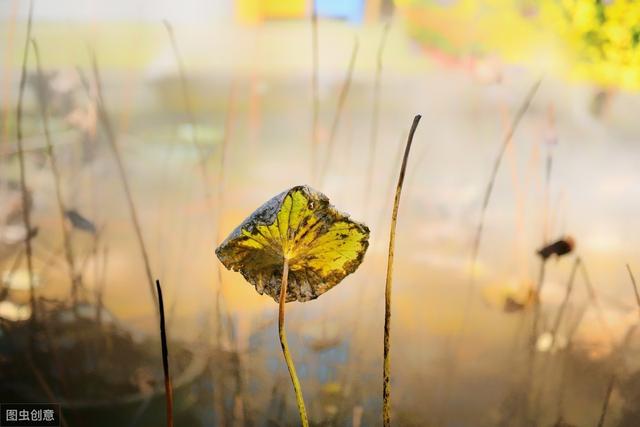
[199, 164]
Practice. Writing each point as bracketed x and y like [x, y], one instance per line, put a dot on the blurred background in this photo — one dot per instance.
[168, 123]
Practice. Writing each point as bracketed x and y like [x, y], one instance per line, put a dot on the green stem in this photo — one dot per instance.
[386, 373]
[285, 346]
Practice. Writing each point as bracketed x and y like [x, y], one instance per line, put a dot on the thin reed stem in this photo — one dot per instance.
[184, 88]
[596, 302]
[565, 301]
[168, 389]
[66, 238]
[386, 372]
[285, 346]
[533, 337]
[222, 169]
[26, 203]
[375, 117]
[315, 97]
[554, 332]
[113, 144]
[605, 403]
[635, 286]
[342, 97]
[494, 172]
[475, 249]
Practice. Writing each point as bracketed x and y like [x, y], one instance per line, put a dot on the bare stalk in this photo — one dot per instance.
[184, 87]
[593, 296]
[342, 97]
[113, 144]
[165, 358]
[554, 332]
[494, 172]
[475, 249]
[220, 298]
[285, 346]
[66, 238]
[605, 403]
[26, 208]
[375, 117]
[565, 300]
[386, 373]
[315, 141]
[635, 286]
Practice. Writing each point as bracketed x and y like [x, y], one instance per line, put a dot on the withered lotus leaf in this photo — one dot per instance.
[320, 244]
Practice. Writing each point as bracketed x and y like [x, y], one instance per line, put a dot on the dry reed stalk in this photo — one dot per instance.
[342, 97]
[375, 116]
[635, 286]
[184, 88]
[26, 204]
[565, 359]
[554, 332]
[467, 306]
[103, 115]
[605, 403]
[494, 173]
[6, 78]
[315, 97]
[386, 373]
[168, 389]
[66, 238]
[593, 296]
[221, 299]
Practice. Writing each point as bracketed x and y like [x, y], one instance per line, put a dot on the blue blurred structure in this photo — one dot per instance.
[350, 10]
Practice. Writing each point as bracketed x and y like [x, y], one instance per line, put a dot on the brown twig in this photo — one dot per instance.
[113, 144]
[26, 208]
[375, 117]
[342, 97]
[554, 332]
[475, 249]
[565, 300]
[635, 286]
[165, 358]
[189, 108]
[315, 139]
[66, 238]
[595, 301]
[386, 373]
[494, 173]
[605, 403]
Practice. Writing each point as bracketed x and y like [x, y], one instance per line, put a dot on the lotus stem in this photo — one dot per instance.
[165, 358]
[386, 373]
[285, 346]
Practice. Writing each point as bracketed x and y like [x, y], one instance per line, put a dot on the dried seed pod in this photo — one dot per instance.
[558, 248]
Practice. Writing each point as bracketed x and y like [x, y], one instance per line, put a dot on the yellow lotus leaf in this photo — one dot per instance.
[321, 245]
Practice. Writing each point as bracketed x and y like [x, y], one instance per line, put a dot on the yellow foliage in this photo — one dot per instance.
[588, 40]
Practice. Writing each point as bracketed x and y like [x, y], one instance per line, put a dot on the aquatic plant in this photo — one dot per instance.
[386, 373]
[168, 388]
[295, 247]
